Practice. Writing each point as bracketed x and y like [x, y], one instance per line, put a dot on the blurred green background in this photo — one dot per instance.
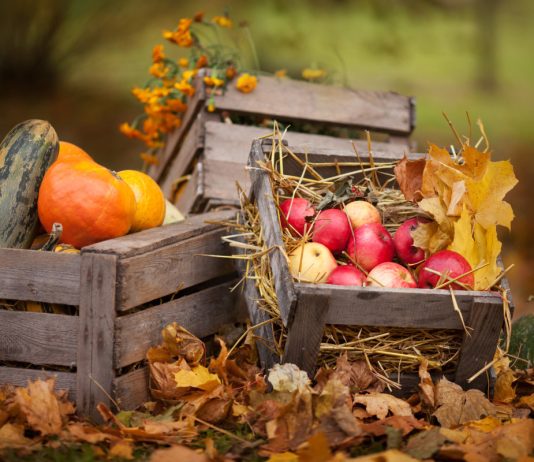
[73, 62]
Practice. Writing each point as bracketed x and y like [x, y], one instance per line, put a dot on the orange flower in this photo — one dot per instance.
[223, 21]
[198, 17]
[201, 62]
[313, 74]
[149, 159]
[157, 54]
[182, 36]
[211, 107]
[185, 87]
[184, 24]
[176, 105]
[213, 82]
[127, 130]
[142, 94]
[281, 73]
[158, 70]
[188, 75]
[183, 62]
[246, 83]
[231, 72]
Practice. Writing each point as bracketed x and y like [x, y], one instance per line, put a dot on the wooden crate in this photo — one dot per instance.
[213, 153]
[123, 289]
[306, 308]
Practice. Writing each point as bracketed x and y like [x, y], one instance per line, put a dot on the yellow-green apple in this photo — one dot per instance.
[390, 274]
[371, 245]
[294, 213]
[332, 228]
[347, 275]
[311, 262]
[403, 240]
[450, 265]
[361, 213]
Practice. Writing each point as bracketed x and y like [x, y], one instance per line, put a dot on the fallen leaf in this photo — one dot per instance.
[12, 436]
[284, 457]
[162, 379]
[198, 377]
[391, 455]
[40, 406]
[316, 449]
[457, 194]
[177, 453]
[456, 407]
[425, 444]
[426, 386]
[87, 433]
[504, 391]
[409, 175]
[527, 401]
[454, 436]
[215, 410]
[405, 424]
[516, 440]
[122, 449]
[355, 374]
[288, 377]
[178, 343]
[486, 425]
[380, 404]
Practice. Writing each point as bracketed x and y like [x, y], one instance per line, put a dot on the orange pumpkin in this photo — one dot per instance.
[150, 210]
[70, 152]
[91, 202]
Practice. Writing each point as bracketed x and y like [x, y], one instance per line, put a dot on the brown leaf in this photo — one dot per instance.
[40, 406]
[12, 436]
[215, 410]
[391, 455]
[178, 343]
[87, 433]
[380, 404]
[356, 375]
[177, 453]
[527, 401]
[122, 449]
[162, 379]
[426, 386]
[316, 449]
[504, 391]
[425, 444]
[409, 174]
[456, 407]
[406, 424]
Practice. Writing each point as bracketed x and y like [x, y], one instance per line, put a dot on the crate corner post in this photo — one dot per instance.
[95, 368]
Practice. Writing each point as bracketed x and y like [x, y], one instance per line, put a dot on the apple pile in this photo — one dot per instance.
[351, 247]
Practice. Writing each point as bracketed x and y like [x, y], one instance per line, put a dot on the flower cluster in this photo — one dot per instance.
[165, 95]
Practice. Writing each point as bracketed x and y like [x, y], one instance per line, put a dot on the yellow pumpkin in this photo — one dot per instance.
[150, 210]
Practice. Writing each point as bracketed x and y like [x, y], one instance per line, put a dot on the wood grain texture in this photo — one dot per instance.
[272, 235]
[287, 99]
[19, 377]
[131, 389]
[163, 271]
[147, 241]
[202, 313]
[95, 371]
[486, 320]
[40, 276]
[190, 198]
[38, 338]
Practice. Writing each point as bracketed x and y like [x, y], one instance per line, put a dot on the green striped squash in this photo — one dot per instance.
[25, 154]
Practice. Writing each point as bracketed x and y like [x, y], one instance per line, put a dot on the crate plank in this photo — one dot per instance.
[163, 271]
[202, 313]
[131, 389]
[379, 306]
[95, 371]
[38, 338]
[287, 99]
[283, 281]
[190, 198]
[147, 241]
[40, 276]
[19, 377]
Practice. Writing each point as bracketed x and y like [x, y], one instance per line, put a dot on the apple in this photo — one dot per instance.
[294, 213]
[403, 240]
[311, 262]
[347, 275]
[390, 274]
[446, 262]
[332, 228]
[361, 212]
[371, 245]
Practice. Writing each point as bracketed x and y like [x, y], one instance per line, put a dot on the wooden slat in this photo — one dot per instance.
[95, 371]
[272, 235]
[177, 266]
[190, 199]
[287, 99]
[378, 306]
[182, 162]
[38, 338]
[486, 321]
[131, 389]
[143, 242]
[39, 276]
[19, 377]
[202, 313]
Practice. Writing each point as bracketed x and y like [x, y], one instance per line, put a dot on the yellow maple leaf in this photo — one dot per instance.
[198, 377]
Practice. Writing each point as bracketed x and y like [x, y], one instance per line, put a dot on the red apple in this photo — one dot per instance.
[294, 213]
[449, 263]
[403, 240]
[332, 228]
[371, 245]
[311, 262]
[390, 274]
[346, 276]
[361, 213]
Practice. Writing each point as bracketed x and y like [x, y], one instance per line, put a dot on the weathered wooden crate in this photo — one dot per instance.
[306, 308]
[212, 153]
[126, 291]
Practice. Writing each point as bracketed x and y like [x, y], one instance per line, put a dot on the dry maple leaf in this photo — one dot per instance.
[406, 424]
[391, 455]
[426, 386]
[380, 404]
[162, 379]
[177, 453]
[12, 436]
[504, 391]
[178, 343]
[409, 175]
[456, 407]
[354, 374]
[198, 377]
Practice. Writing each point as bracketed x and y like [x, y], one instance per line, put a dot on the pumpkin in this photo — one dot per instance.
[91, 202]
[69, 152]
[26, 153]
[150, 210]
